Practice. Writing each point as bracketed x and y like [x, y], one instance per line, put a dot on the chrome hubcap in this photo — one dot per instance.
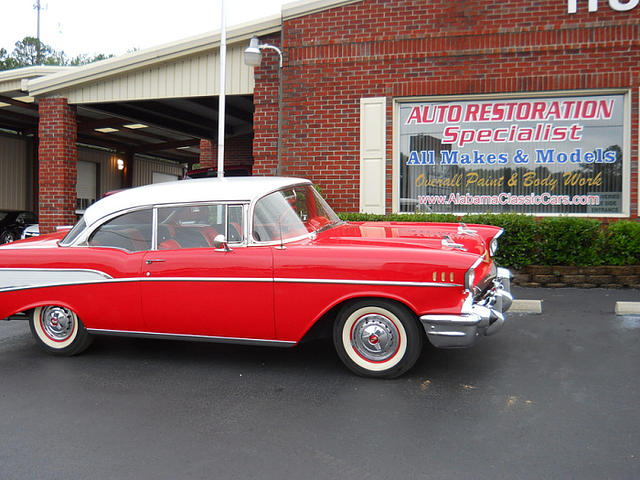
[375, 337]
[57, 322]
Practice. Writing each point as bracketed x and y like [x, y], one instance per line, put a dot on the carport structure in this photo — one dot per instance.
[160, 103]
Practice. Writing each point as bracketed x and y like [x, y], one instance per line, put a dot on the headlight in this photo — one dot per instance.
[493, 247]
[493, 244]
[470, 276]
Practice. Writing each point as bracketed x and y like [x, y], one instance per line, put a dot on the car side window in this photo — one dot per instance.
[196, 226]
[130, 232]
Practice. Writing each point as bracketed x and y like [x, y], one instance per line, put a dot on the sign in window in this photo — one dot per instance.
[531, 155]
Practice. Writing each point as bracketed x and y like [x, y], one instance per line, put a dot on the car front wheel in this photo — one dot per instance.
[7, 237]
[377, 338]
[59, 331]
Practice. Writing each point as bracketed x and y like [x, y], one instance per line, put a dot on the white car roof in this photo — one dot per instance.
[228, 189]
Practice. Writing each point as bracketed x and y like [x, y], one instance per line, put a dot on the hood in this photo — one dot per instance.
[439, 236]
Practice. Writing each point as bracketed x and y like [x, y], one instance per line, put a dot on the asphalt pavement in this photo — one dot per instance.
[551, 396]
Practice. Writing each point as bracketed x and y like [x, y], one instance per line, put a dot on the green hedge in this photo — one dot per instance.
[547, 241]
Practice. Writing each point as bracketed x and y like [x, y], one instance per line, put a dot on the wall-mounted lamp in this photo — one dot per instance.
[120, 164]
[253, 53]
[253, 58]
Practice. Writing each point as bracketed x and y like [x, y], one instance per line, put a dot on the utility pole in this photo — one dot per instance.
[38, 7]
[221, 95]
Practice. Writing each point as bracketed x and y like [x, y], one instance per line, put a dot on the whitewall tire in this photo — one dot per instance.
[377, 338]
[59, 331]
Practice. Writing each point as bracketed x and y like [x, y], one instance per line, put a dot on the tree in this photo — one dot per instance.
[30, 51]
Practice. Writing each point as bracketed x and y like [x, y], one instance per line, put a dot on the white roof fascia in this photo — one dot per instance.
[31, 72]
[16, 80]
[302, 8]
[151, 56]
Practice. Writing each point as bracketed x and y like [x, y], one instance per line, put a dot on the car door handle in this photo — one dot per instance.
[149, 261]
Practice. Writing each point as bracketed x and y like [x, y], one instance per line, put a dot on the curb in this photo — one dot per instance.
[627, 308]
[526, 306]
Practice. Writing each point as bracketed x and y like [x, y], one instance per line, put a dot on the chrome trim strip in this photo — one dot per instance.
[106, 279]
[196, 279]
[197, 338]
[365, 282]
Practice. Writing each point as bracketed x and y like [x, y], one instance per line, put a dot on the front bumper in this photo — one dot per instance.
[480, 316]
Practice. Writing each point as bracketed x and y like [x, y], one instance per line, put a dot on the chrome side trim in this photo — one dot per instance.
[196, 338]
[103, 278]
[365, 282]
[197, 279]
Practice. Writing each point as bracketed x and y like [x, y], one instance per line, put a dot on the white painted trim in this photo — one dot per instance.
[373, 154]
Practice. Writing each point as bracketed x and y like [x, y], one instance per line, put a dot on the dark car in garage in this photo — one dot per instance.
[13, 222]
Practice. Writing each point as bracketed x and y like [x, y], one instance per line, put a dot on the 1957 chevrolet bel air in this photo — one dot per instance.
[267, 262]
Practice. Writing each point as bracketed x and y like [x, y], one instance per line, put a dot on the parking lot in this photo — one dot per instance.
[554, 395]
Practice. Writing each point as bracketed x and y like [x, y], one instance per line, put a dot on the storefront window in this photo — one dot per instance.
[533, 155]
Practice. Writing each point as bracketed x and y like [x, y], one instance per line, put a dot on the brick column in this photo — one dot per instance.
[265, 116]
[208, 154]
[58, 156]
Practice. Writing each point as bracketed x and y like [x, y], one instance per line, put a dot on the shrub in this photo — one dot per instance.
[569, 241]
[622, 244]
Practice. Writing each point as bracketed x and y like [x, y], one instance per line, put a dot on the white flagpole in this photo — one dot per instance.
[221, 96]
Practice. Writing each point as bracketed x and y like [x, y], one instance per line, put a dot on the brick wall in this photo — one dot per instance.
[265, 116]
[238, 151]
[412, 48]
[58, 156]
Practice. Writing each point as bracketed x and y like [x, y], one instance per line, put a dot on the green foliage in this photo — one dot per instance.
[526, 240]
[622, 243]
[569, 241]
[30, 51]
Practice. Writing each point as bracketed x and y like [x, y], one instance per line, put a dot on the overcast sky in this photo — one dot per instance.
[116, 26]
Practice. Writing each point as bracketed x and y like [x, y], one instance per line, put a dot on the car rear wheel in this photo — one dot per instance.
[377, 338]
[59, 331]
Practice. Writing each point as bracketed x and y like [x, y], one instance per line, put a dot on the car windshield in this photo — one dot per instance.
[291, 212]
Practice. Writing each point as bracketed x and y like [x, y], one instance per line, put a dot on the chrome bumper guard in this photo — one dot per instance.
[484, 316]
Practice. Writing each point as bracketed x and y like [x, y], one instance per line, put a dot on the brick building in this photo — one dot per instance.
[349, 71]
[389, 106]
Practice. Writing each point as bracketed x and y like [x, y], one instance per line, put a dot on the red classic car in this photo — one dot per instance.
[269, 262]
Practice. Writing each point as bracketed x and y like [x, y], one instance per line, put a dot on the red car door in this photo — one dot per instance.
[209, 292]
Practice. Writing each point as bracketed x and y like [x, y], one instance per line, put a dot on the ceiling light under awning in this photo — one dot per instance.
[25, 99]
[134, 126]
[106, 130]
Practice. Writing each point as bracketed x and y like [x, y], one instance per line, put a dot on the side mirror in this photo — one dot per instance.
[220, 244]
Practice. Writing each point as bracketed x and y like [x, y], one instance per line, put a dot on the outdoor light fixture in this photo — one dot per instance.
[253, 58]
[106, 130]
[120, 163]
[253, 53]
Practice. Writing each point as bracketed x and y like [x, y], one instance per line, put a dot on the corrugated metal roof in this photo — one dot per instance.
[149, 58]
[148, 74]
